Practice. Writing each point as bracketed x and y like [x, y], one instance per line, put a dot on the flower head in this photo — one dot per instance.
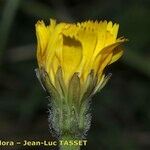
[78, 49]
[71, 60]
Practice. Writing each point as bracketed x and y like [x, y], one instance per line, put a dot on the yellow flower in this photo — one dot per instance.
[77, 48]
[71, 59]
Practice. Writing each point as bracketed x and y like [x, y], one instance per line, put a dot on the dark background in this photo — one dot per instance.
[121, 112]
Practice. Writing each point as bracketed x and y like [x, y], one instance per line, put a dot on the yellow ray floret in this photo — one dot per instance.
[77, 48]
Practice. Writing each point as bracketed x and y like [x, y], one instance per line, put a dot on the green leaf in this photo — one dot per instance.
[74, 90]
[101, 85]
[89, 86]
[59, 82]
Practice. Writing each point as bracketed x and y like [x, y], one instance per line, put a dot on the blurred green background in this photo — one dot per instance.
[121, 112]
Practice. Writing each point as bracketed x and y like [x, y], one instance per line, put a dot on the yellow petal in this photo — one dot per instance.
[52, 69]
[85, 33]
[104, 58]
[54, 45]
[71, 57]
[42, 34]
[42, 39]
[88, 38]
[113, 29]
[117, 53]
[107, 34]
